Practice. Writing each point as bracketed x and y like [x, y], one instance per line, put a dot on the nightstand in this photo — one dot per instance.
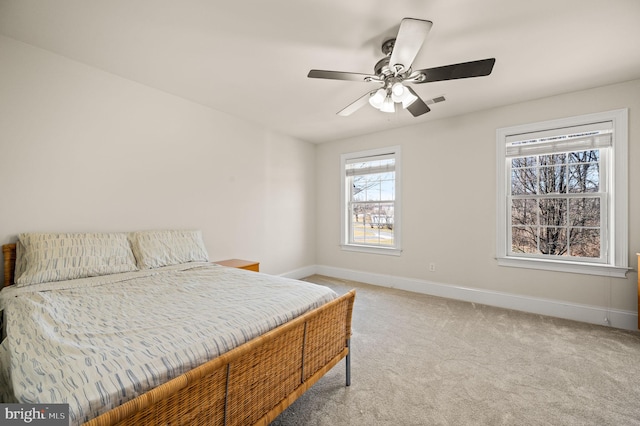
[249, 265]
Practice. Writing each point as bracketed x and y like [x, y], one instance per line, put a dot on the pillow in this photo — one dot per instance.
[20, 264]
[47, 257]
[154, 249]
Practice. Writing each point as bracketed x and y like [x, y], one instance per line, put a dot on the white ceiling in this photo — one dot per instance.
[251, 58]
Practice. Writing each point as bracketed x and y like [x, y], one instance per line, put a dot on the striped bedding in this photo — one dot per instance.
[98, 342]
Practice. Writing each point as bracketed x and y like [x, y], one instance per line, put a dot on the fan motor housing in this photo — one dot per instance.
[382, 67]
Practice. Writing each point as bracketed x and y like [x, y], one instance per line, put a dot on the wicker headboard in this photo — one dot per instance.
[9, 254]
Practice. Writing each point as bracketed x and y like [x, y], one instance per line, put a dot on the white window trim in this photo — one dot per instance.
[344, 216]
[617, 265]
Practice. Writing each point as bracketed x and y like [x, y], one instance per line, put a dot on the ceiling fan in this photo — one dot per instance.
[394, 70]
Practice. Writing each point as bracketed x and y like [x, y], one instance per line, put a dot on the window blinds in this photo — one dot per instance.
[588, 136]
[369, 165]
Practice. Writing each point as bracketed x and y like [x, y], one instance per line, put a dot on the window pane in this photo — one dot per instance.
[553, 241]
[520, 162]
[584, 212]
[358, 186]
[591, 156]
[585, 242]
[553, 212]
[374, 187]
[372, 190]
[372, 223]
[552, 159]
[524, 181]
[553, 180]
[524, 212]
[358, 223]
[584, 171]
[524, 239]
[388, 188]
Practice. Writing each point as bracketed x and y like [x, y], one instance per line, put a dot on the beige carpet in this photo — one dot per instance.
[422, 360]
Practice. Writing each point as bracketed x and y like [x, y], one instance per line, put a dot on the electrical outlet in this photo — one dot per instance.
[432, 267]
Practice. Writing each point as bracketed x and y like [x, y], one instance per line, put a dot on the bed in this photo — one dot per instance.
[185, 373]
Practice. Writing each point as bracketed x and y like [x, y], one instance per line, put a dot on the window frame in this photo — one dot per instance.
[345, 219]
[616, 227]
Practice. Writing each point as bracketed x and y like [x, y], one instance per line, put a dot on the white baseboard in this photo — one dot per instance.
[627, 320]
[301, 272]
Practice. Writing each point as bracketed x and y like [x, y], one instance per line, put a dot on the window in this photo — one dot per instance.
[562, 195]
[370, 201]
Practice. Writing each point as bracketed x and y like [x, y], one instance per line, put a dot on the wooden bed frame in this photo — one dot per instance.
[251, 384]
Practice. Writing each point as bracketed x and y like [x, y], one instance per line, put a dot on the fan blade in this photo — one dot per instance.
[338, 75]
[418, 107]
[356, 105]
[455, 71]
[410, 38]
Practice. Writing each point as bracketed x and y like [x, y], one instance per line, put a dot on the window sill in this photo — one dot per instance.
[560, 266]
[372, 250]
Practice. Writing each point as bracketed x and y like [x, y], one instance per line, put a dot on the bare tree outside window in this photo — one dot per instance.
[555, 204]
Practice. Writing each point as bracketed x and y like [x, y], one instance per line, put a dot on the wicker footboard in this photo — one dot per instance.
[253, 383]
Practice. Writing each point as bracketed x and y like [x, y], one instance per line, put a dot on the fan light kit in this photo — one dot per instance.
[385, 99]
[394, 70]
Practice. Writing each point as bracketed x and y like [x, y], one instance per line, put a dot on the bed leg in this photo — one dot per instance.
[348, 362]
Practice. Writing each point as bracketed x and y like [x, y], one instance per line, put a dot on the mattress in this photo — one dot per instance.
[98, 342]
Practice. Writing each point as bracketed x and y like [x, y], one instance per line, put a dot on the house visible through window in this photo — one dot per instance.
[370, 182]
[562, 195]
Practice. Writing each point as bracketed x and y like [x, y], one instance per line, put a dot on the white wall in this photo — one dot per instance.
[449, 208]
[84, 150]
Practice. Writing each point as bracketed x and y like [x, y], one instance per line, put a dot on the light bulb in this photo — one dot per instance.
[397, 89]
[388, 105]
[377, 98]
[398, 92]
